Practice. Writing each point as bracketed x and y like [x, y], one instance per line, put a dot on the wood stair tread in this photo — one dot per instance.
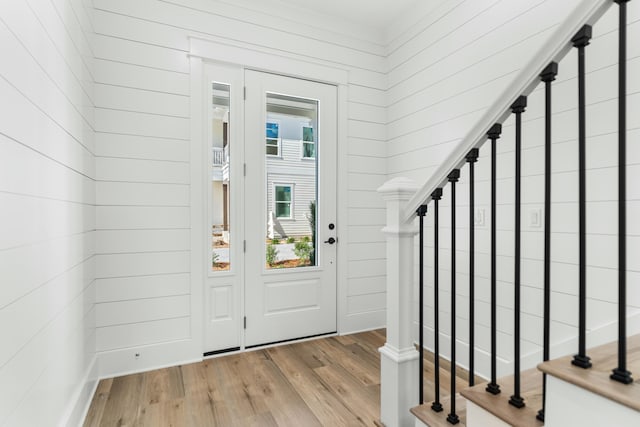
[439, 419]
[498, 405]
[596, 379]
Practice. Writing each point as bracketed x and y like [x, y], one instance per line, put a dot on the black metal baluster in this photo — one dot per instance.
[472, 157]
[620, 373]
[493, 134]
[436, 405]
[547, 76]
[581, 40]
[517, 108]
[452, 418]
[422, 210]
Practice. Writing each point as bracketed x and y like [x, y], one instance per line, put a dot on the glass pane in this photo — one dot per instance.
[283, 194]
[220, 178]
[272, 130]
[272, 147]
[291, 181]
[308, 150]
[283, 210]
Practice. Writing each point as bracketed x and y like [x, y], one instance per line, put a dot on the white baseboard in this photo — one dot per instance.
[361, 322]
[80, 402]
[121, 362]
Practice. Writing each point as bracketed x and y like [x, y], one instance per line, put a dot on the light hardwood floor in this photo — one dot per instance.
[325, 382]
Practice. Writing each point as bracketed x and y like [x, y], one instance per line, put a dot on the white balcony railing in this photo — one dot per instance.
[218, 156]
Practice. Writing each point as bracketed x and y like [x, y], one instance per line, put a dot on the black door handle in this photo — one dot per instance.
[331, 241]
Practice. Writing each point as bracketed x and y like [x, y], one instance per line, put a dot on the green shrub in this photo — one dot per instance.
[306, 239]
[275, 241]
[312, 224]
[291, 240]
[272, 254]
[303, 252]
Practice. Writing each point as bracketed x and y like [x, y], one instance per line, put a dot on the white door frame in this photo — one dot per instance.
[203, 51]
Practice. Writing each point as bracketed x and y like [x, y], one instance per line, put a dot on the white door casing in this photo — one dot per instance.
[278, 305]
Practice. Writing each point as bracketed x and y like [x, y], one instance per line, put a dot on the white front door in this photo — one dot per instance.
[289, 208]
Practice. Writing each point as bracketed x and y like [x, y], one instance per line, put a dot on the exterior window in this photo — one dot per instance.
[283, 199]
[308, 143]
[273, 139]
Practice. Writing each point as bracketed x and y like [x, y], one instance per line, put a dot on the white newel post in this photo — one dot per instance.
[399, 358]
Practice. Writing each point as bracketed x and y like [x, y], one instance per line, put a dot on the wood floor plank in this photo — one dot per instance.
[364, 400]
[362, 364]
[123, 403]
[163, 385]
[198, 396]
[98, 403]
[169, 413]
[326, 407]
[232, 391]
[331, 381]
[285, 404]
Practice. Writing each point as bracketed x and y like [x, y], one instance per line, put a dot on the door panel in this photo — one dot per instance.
[223, 150]
[290, 188]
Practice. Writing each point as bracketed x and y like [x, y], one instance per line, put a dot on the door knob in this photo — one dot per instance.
[331, 241]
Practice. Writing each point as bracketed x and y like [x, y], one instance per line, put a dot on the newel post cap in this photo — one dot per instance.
[399, 188]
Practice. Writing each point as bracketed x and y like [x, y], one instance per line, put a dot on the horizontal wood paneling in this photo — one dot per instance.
[131, 288]
[145, 101]
[133, 241]
[141, 147]
[139, 334]
[143, 310]
[47, 194]
[141, 264]
[204, 18]
[139, 170]
[141, 77]
[435, 90]
[143, 135]
[141, 124]
[141, 194]
[141, 217]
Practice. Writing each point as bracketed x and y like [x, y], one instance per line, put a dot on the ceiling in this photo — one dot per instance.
[369, 13]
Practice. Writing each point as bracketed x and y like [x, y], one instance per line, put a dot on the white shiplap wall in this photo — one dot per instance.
[47, 212]
[445, 70]
[142, 163]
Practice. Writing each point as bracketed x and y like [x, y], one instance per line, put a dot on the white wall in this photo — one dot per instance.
[444, 72]
[47, 212]
[143, 172]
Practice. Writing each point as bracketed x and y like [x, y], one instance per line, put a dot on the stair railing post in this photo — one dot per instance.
[399, 357]
[453, 418]
[621, 374]
[421, 212]
[548, 75]
[436, 406]
[472, 158]
[493, 134]
[517, 108]
[580, 41]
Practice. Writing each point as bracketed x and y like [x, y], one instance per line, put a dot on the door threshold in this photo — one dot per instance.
[290, 341]
[223, 351]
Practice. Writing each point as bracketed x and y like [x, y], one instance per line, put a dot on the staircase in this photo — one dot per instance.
[591, 386]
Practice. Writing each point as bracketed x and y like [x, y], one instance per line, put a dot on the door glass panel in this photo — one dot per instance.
[291, 162]
[220, 178]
